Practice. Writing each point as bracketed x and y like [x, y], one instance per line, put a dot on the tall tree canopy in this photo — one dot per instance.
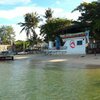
[7, 34]
[90, 14]
[48, 14]
[31, 21]
[50, 29]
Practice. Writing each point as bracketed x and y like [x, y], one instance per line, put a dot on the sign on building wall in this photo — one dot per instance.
[75, 43]
[72, 44]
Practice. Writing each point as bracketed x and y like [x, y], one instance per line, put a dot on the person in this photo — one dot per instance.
[87, 35]
[57, 43]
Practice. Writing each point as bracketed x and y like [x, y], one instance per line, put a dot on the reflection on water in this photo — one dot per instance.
[39, 79]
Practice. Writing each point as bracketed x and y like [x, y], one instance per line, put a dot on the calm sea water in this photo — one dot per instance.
[36, 78]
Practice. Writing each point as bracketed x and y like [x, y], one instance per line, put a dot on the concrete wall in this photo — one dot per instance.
[73, 47]
[50, 45]
[4, 47]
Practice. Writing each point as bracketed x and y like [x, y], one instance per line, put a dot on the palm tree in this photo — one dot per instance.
[31, 21]
[7, 34]
[48, 14]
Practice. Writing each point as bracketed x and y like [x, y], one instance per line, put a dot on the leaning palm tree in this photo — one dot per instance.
[30, 23]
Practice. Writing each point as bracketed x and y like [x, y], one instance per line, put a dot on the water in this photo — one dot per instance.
[39, 78]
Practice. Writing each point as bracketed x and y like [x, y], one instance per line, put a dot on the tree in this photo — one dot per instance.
[7, 35]
[31, 21]
[19, 45]
[48, 14]
[34, 40]
[90, 15]
[51, 28]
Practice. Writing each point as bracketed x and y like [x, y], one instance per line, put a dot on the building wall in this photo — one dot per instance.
[4, 47]
[99, 1]
[76, 45]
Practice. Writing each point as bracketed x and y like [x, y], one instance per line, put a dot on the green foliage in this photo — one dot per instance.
[21, 45]
[89, 11]
[96, 24]
[31, 21]
[51, 28]
[7, 34]
[34, 40]
[48, 14]
[90, 15]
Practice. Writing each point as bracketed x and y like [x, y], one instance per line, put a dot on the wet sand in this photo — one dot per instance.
[90, 59]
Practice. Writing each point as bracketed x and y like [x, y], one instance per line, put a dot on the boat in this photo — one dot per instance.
[6, 55]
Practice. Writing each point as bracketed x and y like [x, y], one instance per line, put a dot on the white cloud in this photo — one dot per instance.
[22, 35]
[63, 14]
[73, 16]
[13, 2]
[88, 1]
[19, 36]
[58, 12]
[20, 11]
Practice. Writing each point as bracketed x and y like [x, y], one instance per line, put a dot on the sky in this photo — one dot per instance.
[12, 11]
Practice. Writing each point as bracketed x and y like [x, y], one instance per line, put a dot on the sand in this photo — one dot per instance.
[89, 59]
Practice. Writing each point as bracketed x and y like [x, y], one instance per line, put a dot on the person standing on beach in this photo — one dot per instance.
[57, 43]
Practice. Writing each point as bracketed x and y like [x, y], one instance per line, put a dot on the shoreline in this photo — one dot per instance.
[89, 59]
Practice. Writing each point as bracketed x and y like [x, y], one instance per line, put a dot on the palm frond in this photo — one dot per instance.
[22, 30]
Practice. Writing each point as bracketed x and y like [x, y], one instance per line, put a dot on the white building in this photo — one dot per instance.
[75, 43]
[4, 47]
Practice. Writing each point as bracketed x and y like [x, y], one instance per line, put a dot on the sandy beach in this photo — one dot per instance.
[89, 59]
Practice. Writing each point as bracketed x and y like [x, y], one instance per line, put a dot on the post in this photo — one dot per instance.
[50, 44]
[23, 45]
[94, 47]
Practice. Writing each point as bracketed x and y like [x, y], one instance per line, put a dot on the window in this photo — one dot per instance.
[79, 42]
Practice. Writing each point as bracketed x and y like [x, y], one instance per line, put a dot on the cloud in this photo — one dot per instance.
[18, 12]
[63, 14]
[88, 1]
[73, 16]
[58, 12]
[13, 2]
[22, 35]
[19, 36]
